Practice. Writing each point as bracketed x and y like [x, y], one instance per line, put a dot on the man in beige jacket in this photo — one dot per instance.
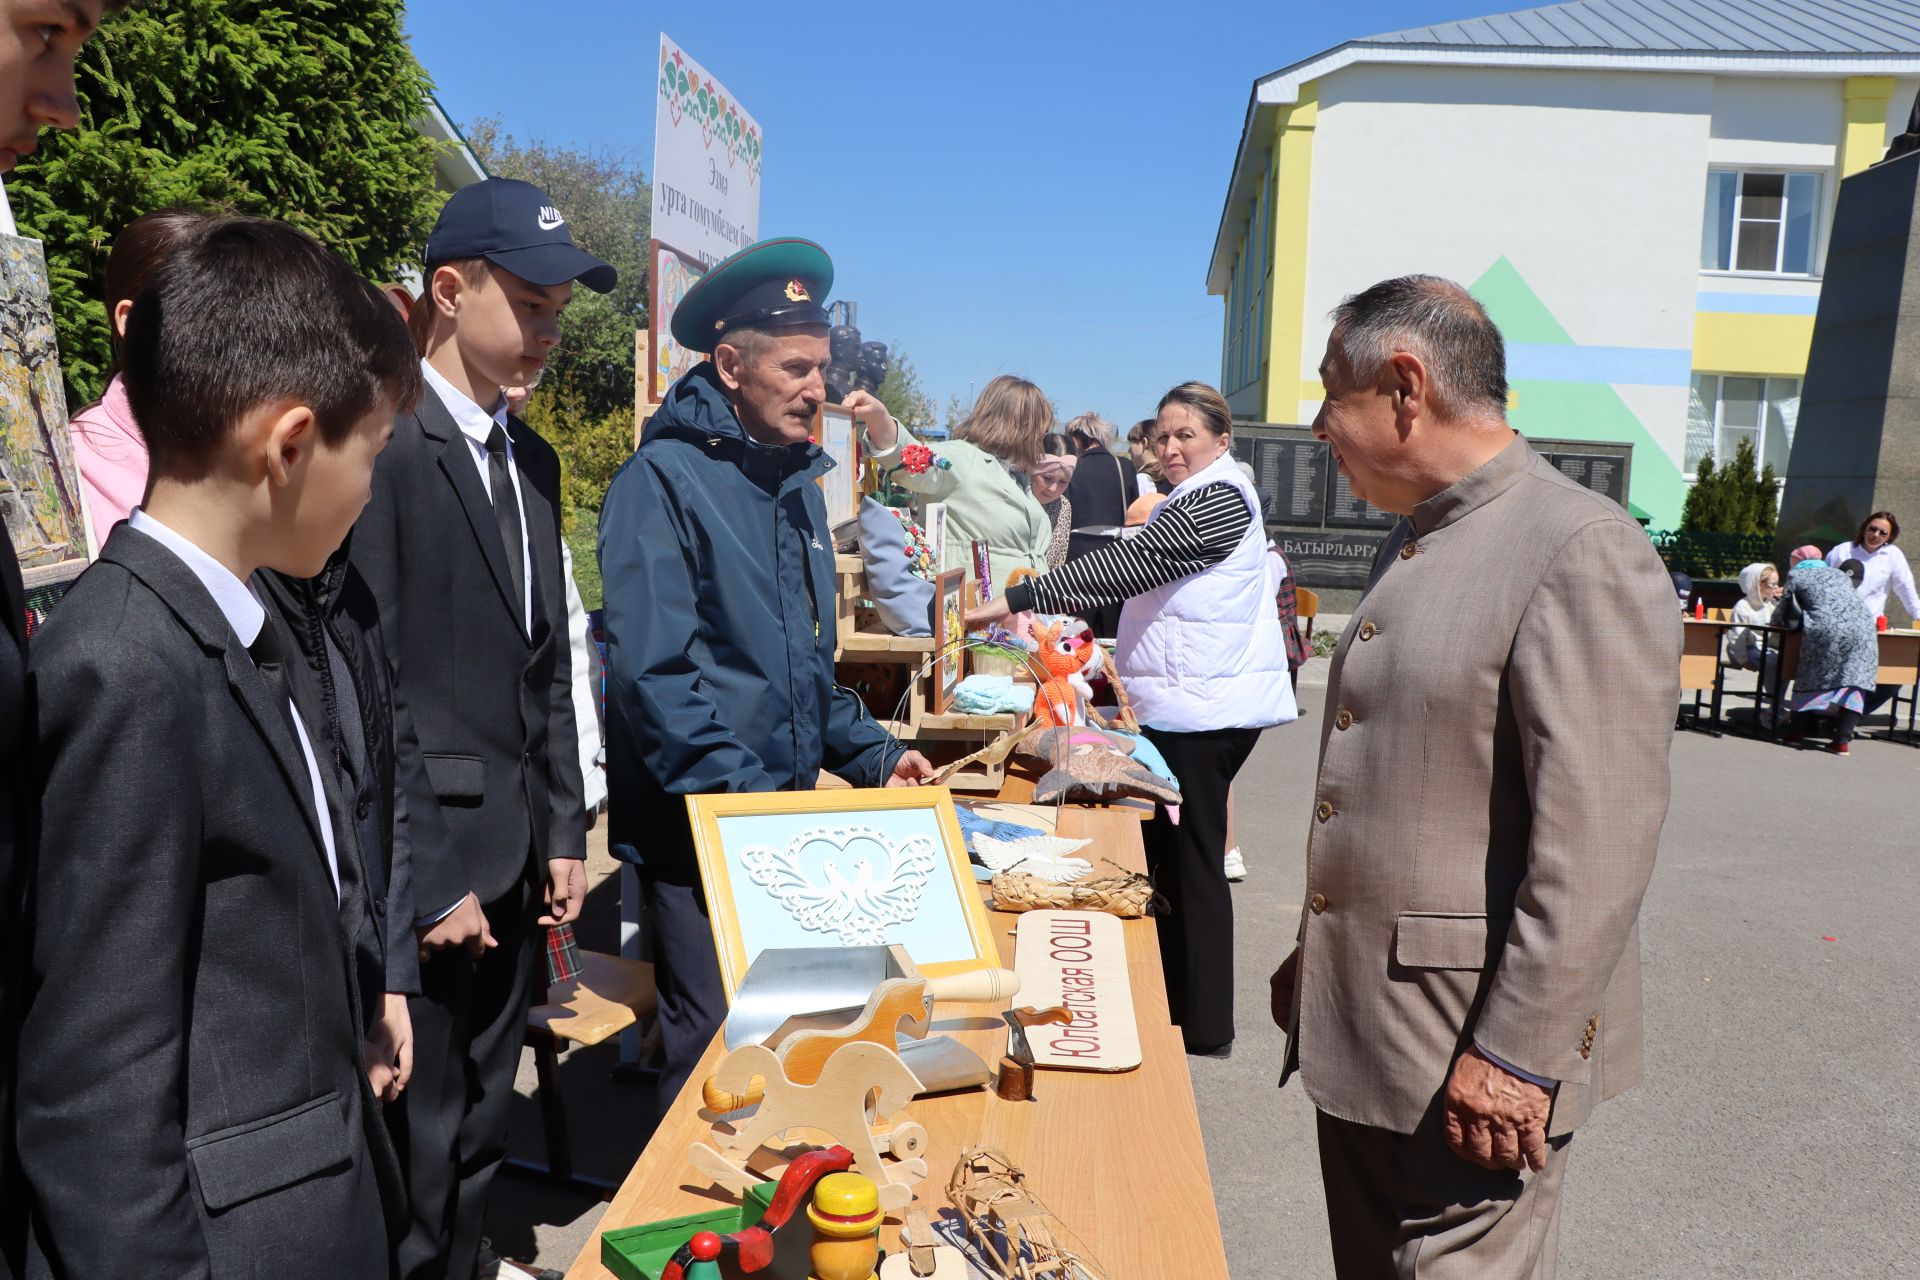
[1493, 776]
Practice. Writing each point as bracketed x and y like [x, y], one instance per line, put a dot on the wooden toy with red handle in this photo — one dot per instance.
[752, 1251]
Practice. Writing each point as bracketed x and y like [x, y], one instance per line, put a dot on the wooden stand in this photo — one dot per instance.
[863, 642]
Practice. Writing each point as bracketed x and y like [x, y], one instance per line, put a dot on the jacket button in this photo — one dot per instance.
[1324, 811]
[380, 906]
[1344, 720]
[360, 808]
[1409, 549]
[1368, 631]
[1317, 903]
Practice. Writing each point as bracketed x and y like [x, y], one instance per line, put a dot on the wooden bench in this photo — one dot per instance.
[610, 994]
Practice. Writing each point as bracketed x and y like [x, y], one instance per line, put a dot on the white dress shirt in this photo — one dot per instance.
[476, 424]
[246, 615]
[1886, 569]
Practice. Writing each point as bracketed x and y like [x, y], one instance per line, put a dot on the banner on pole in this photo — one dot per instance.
[706, 162]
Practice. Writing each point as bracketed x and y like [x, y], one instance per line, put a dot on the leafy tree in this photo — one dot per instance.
[957, 410]
[1737, 499]
[300, 112]
[901, 393]
[608, 204]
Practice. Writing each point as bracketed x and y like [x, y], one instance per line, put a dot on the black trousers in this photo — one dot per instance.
[1188, 868]
[450, 1125]
[686, 974]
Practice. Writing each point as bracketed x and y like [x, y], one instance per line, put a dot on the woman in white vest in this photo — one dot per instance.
[1204, 657]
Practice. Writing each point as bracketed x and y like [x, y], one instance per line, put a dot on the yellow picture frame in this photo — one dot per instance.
[737, 909]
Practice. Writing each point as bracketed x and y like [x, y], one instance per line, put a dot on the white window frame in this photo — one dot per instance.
[1720, 456]
[1814, 245]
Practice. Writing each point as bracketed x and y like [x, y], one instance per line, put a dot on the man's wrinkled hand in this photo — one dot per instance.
[1494, 1118]
[910, 770]
[1282, 992]
[388, 1048]
[566, 890]
[464, 926]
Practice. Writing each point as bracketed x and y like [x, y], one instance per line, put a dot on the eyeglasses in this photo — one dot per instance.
[1879, 531]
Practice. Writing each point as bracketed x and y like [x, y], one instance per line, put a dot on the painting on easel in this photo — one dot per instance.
[39, 484]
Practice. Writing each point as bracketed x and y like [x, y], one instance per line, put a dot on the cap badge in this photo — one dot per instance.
[797, 292]
[550, 219]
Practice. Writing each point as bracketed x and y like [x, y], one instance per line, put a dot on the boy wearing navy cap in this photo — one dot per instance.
[718, 564]
[461, 545]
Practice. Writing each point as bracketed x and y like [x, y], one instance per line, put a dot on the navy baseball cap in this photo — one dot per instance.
[514, 226]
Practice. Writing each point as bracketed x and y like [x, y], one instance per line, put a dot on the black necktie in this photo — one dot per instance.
[506, 510]
[269, 658]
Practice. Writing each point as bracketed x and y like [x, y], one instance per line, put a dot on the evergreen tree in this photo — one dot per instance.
[1740, 498]
[300, 112]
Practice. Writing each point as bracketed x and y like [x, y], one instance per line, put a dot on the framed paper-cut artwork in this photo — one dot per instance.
[838, 434]
[949, 631]
[844, 868]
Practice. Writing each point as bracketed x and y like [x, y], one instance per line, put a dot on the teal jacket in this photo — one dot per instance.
[718, 572]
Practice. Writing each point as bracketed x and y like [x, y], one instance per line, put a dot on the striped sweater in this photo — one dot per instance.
[1192, 532]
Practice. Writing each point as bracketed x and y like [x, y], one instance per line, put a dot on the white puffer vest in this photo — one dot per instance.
[1207, 652]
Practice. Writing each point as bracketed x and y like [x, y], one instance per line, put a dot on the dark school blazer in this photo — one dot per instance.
[493, 706]
[191, 1098]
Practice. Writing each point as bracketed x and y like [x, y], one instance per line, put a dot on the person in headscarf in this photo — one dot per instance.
[1760, 592]
[1839, 654]
[1049, 478]
[1748, 646]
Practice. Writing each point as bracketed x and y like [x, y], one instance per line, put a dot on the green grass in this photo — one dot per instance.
[586, 560]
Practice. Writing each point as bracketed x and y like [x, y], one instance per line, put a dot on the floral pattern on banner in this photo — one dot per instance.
[683, 94]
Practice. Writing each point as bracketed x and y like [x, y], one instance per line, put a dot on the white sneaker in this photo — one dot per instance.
[1236, 869]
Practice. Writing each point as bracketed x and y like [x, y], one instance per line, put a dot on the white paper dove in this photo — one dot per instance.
[884, 889]
[1043, 857]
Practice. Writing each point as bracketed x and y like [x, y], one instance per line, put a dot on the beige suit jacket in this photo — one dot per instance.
[1493, 776]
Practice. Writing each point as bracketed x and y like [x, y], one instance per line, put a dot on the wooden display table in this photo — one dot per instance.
[1117, 1158]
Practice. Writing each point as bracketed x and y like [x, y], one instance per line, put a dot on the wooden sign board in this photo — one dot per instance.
[1078, 960]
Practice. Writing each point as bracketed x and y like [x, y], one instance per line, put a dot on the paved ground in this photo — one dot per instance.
[1778, 1134]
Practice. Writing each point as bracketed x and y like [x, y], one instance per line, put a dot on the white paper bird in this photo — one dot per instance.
[857, 909]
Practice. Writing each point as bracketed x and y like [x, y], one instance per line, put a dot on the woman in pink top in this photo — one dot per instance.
[107, 444]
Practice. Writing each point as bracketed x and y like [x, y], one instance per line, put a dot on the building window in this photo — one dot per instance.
[1759, 222]
[1726, 409]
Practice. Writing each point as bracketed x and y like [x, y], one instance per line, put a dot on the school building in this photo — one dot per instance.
[1639, 191]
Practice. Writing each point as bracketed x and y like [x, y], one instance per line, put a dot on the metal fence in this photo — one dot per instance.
[1710, 555]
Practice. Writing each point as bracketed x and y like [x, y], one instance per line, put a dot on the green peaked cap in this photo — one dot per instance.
[770, 282]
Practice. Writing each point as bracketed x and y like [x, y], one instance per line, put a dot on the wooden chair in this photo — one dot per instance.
[1306, 607]
[610, 994]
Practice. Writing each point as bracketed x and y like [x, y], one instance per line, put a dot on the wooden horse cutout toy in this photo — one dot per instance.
[860, 1086]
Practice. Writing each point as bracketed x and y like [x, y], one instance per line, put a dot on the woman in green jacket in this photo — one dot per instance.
[983, 485]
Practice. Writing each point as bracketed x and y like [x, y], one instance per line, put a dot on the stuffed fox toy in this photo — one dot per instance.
[1063, 699]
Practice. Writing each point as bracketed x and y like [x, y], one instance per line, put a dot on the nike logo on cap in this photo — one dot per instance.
[550, 219]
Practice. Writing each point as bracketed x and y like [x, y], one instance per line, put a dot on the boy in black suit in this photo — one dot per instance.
[461, 545]
[192, 1100]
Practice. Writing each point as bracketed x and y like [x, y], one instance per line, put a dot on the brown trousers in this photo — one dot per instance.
[1405, 1208]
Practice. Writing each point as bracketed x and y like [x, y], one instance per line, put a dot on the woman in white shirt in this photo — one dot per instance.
[1886, 565]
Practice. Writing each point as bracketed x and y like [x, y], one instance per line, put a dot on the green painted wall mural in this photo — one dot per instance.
[1577, 410]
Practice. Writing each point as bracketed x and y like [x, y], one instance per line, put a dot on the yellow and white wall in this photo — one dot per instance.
[1571, 201]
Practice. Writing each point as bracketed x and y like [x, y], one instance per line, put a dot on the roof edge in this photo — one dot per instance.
[1282, 88]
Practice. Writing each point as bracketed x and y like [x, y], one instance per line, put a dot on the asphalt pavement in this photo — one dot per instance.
[1777, 1133]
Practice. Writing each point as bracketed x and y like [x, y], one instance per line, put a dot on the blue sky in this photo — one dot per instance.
[1005, 188]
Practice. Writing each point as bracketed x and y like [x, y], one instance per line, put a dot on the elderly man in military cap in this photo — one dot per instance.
[720, 608]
